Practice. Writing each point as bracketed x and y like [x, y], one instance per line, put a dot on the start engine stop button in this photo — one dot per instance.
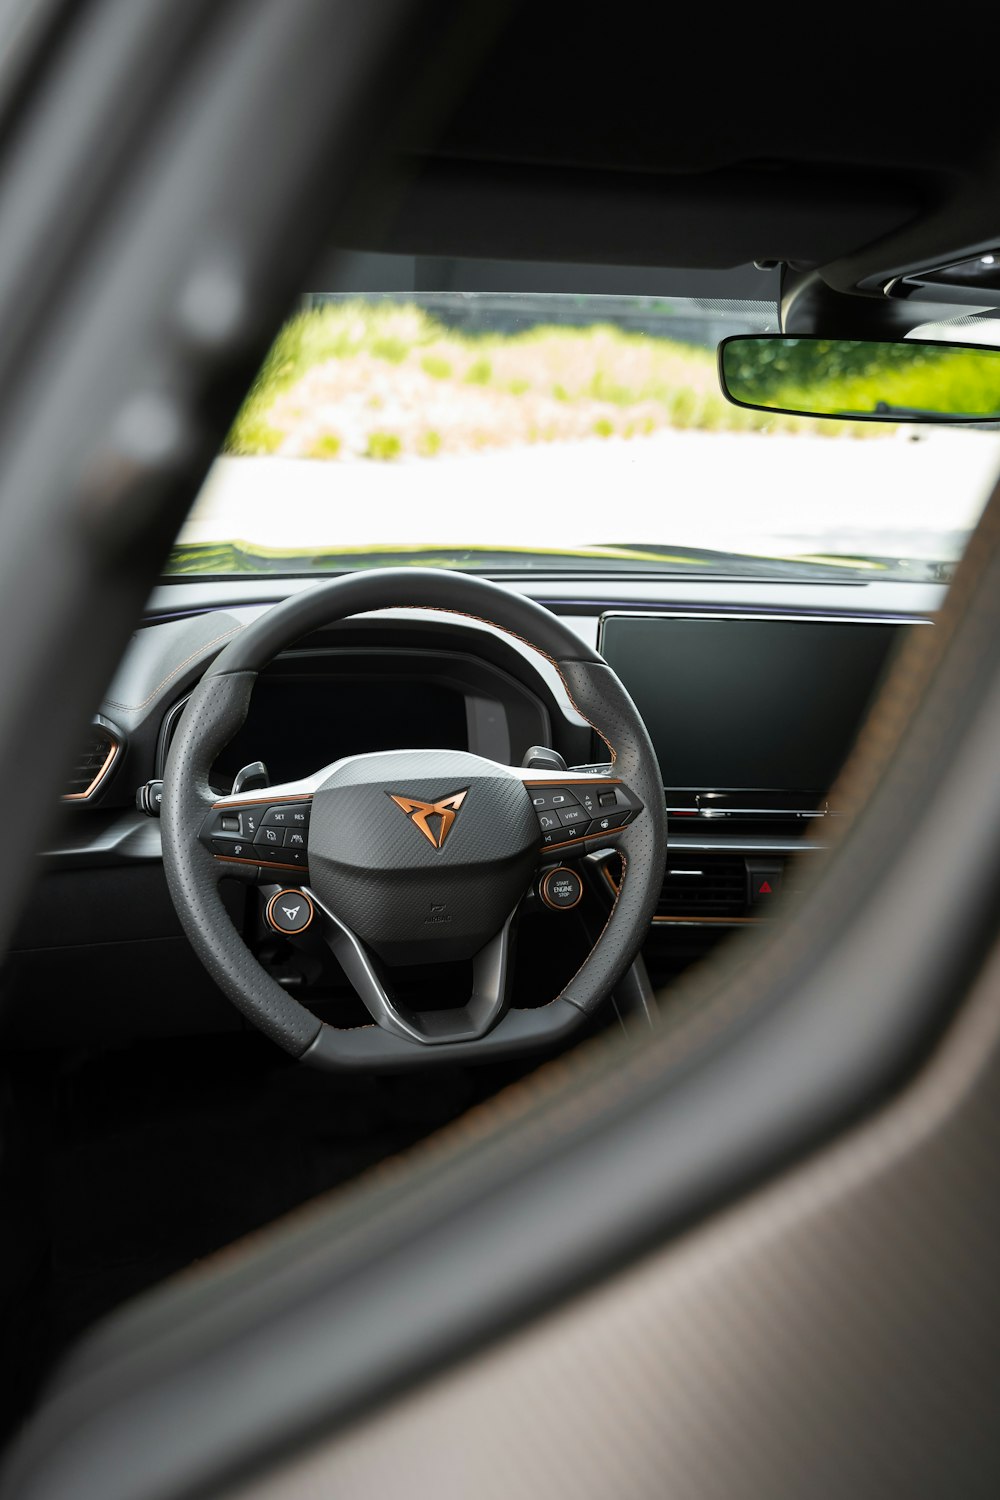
[561, 889]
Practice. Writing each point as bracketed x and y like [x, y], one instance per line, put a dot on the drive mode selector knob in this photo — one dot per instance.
[561, 889]
[290, 912]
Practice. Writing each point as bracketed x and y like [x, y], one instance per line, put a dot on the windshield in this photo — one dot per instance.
[512, 432]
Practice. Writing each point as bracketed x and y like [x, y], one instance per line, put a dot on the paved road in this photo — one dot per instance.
[896, 495]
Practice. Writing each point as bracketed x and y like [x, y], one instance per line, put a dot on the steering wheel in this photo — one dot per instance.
[411, 856]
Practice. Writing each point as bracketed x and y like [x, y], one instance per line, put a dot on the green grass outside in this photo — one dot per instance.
[384, 380]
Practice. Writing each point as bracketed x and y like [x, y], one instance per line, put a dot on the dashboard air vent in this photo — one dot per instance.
[97, 756]
[704, 885]
[715, 887]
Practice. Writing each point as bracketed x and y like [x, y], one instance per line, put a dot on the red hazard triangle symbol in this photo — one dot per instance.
[765, 889]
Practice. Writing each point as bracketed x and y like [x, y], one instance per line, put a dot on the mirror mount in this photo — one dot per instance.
[808, 307]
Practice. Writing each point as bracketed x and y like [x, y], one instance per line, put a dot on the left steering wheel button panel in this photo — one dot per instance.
[259, 833]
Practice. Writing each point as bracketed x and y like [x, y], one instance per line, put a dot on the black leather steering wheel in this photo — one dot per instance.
[409, 856]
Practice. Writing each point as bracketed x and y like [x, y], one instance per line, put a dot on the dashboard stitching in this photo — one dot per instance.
[482, 620]
[134, 707]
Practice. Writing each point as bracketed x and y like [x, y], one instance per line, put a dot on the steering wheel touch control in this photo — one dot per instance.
[411, 857]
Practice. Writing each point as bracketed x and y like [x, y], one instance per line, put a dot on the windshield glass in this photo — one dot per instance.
[524, 432]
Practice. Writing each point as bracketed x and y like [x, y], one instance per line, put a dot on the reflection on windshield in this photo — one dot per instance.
[502, 431]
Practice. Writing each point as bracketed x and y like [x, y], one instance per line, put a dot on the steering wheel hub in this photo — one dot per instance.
[423, 853]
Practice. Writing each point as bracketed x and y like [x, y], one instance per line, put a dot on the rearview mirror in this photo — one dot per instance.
[862, 380]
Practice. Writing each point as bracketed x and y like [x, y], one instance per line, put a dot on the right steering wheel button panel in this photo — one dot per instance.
[569, 814]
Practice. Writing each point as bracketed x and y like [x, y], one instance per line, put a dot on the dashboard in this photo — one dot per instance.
[752, 693]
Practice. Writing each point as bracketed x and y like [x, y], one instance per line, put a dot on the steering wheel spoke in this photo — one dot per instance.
[491, 968]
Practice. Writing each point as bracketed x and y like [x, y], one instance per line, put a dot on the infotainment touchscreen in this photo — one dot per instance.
[740, 703]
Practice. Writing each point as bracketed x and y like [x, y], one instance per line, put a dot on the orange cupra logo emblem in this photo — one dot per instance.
[443, 813]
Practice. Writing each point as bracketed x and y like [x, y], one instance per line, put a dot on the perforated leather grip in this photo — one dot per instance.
[602, 699]
[217, 708]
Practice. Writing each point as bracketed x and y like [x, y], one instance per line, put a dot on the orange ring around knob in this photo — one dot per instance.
[289, 891]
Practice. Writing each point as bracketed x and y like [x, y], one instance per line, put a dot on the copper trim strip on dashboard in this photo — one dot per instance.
[101, 775]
